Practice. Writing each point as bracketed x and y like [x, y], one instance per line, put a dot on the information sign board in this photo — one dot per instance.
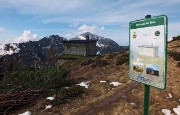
[148, 48]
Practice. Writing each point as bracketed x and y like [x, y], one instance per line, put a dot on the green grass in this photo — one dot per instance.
[74, 60]
[70, 56]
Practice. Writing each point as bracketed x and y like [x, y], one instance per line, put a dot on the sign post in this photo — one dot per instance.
[148, 54]
[146, 90]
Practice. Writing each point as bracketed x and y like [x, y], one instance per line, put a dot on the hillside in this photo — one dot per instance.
[102, 98]
[43, 53]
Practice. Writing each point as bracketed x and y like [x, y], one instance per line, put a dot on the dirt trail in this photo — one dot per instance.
[121, 94]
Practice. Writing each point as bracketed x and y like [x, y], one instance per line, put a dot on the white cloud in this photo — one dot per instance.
[68, 35]
[41, 7]
[1, 29]
[26, 36]
[74, 25]
[104, 12]
[93, 29]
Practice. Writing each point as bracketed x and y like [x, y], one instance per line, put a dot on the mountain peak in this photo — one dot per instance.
[104, 45]
[87, 33]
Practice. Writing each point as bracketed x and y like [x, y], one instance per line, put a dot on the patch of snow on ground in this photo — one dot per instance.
[99, 45]
[98, 53]
[115, 83]
[177, 110]
[133, 104]
[169, 95]
[170, 39]
[102, 81]
[166, 111]
[25, 113]
[48, 106]
[84, 84]
[81, 37]
[50, 98]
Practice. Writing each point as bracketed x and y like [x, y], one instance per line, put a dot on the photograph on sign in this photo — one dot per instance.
[148, 51]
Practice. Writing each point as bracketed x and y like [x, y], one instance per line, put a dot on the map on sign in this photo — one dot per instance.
[147, 60]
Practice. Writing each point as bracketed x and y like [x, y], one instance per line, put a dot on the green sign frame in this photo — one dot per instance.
[148, 51]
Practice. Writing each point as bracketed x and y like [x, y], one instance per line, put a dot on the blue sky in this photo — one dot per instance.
[23, 20]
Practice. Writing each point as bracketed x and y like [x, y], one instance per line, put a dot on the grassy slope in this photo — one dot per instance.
[123, 106]
[129, 104]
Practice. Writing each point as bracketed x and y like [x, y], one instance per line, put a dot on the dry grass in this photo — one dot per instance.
[131, 104]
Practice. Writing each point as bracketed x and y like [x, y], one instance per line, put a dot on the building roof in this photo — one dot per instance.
[80, 41]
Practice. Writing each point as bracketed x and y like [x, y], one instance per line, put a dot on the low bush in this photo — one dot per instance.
[68, 94]
[175, 55]
[100, 63]
[122, 60]
[47, 79]
[87, 62]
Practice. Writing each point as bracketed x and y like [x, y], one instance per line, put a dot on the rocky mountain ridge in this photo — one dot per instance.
[104, 45]
[44, 52]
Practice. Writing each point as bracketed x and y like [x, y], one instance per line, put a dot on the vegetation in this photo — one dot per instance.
[123, 58]
[96, 63]
[175, 55]
[29, 85]
[74, 59]
[70, 56]
[67, 93]
[175, 39]
[48, 78]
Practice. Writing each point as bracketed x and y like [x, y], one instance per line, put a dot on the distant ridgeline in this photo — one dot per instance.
[80, 47]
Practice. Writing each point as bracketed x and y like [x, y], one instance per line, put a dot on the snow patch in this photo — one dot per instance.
[99, 44]
[177, 110]
[81, 37]
[48, 106]
[84, 84]
[133, 104]
[47, 47]
[102, 81]
[14, 49]
[169, 95]
[115, 83]
[166, 111]
[170, 39]
[25, 113]
[50, 98]
[98, 53]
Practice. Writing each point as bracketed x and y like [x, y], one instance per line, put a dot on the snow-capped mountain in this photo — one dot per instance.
[8, 49]
[24, 54]
[43, 53]
[104, 45]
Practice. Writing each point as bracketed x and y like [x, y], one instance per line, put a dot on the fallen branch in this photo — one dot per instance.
[12, 101]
